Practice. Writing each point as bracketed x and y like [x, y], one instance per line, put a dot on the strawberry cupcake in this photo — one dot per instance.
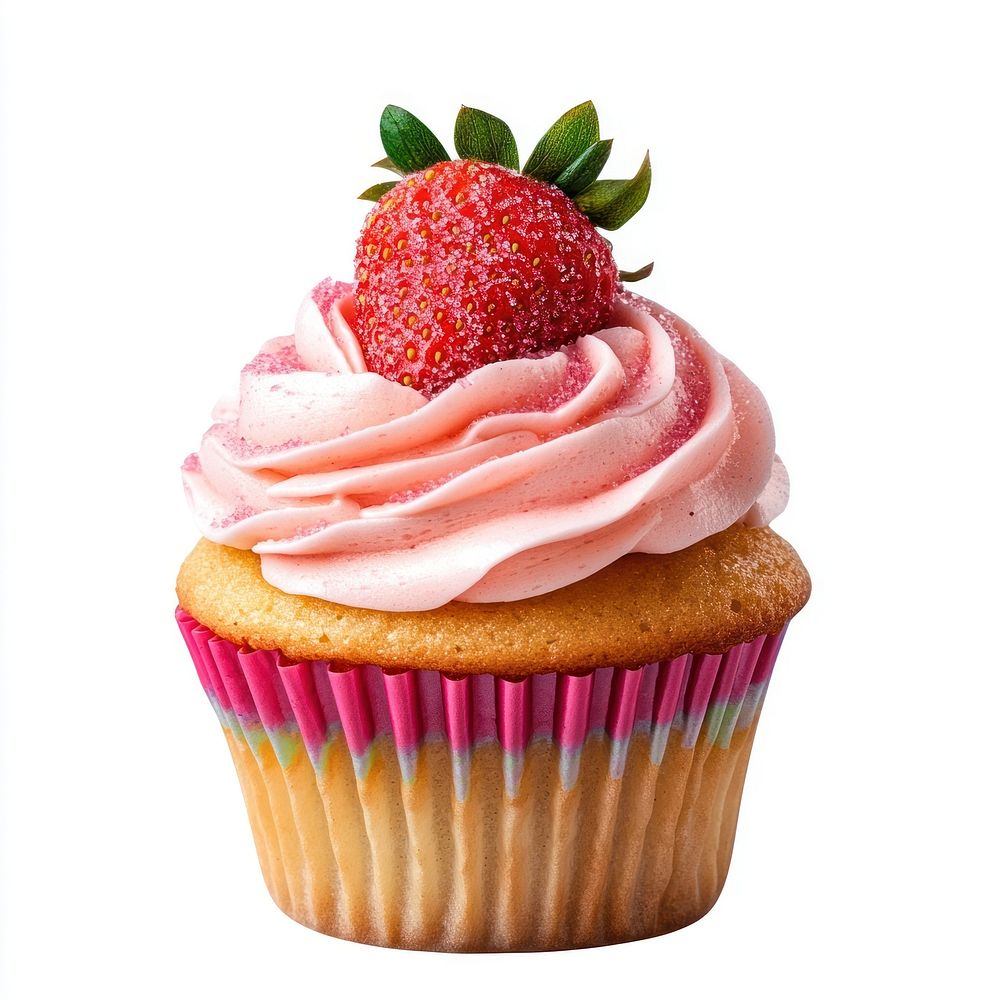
[486, 600]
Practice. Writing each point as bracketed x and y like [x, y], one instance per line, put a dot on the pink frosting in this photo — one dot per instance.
[525, 476]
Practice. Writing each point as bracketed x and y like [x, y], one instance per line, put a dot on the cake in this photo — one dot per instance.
[486, 599]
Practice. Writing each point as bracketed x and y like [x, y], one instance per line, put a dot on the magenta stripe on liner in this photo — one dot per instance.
[768, 654]
[203, 637]
[234, 679]
[750, 651]
[599, 698]
[320, 686]
[514, 713]
[571, 715]
[404, 708]
[372, 679]
[354, 708]
[624, 701]
[704, 669]
[456, 693]
[725, 681]
[728, 668]
[305, 699]
[324, 691]
[188, 627]
[268, 692]
[484, 708]
[543, 704]
[431, 701]
[645, 698]
[670, 683]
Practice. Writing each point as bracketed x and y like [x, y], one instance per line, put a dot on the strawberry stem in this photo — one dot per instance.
[637, 275]
[569, 137]
[408, 141]
[376, 191]
[570, 155]
[610, 204]
[482, 136]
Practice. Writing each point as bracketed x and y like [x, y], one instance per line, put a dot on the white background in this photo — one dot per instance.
[824, 209]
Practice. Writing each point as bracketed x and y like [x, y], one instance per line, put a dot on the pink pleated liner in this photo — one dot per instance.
[260, 695]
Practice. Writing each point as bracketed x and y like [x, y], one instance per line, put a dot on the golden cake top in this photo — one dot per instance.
[726, 589]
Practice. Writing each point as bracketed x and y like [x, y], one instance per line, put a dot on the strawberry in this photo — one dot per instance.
[465, 262]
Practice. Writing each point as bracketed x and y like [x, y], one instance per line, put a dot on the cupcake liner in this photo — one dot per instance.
[420, 809]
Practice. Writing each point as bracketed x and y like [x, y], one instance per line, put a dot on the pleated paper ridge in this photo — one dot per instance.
[413, 808]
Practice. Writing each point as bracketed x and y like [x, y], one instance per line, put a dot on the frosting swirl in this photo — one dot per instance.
[524, 476]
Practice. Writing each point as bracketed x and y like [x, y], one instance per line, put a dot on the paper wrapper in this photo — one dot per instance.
[418, 809]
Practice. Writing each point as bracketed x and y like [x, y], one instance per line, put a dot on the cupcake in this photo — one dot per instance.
[486, 602]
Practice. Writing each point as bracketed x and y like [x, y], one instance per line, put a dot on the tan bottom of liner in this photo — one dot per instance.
[408, 865]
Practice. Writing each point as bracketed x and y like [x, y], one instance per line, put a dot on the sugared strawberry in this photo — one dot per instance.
[466, 262]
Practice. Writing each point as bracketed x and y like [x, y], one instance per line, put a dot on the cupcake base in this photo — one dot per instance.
[416, 809]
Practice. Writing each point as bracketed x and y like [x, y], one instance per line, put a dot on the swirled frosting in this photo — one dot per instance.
[524, 476]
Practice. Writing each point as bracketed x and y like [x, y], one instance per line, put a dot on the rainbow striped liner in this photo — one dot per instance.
[669, 725]
[262, 696]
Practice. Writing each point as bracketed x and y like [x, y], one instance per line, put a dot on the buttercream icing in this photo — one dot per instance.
[523, 477]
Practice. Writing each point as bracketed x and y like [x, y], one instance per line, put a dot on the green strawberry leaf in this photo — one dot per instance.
[610, 204]
[482, 136]
[567, 139]
[585, 169]
[387, 164]
[376, 191]
[642, 272]
[408, 141]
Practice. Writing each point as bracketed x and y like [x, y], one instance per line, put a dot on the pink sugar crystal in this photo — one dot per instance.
[192, 463]
[240, 448]
[692, 392]
[575, 379]
[326, 293]
[240, 512]
[280, 360]
[404, 496]
[311, 529]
